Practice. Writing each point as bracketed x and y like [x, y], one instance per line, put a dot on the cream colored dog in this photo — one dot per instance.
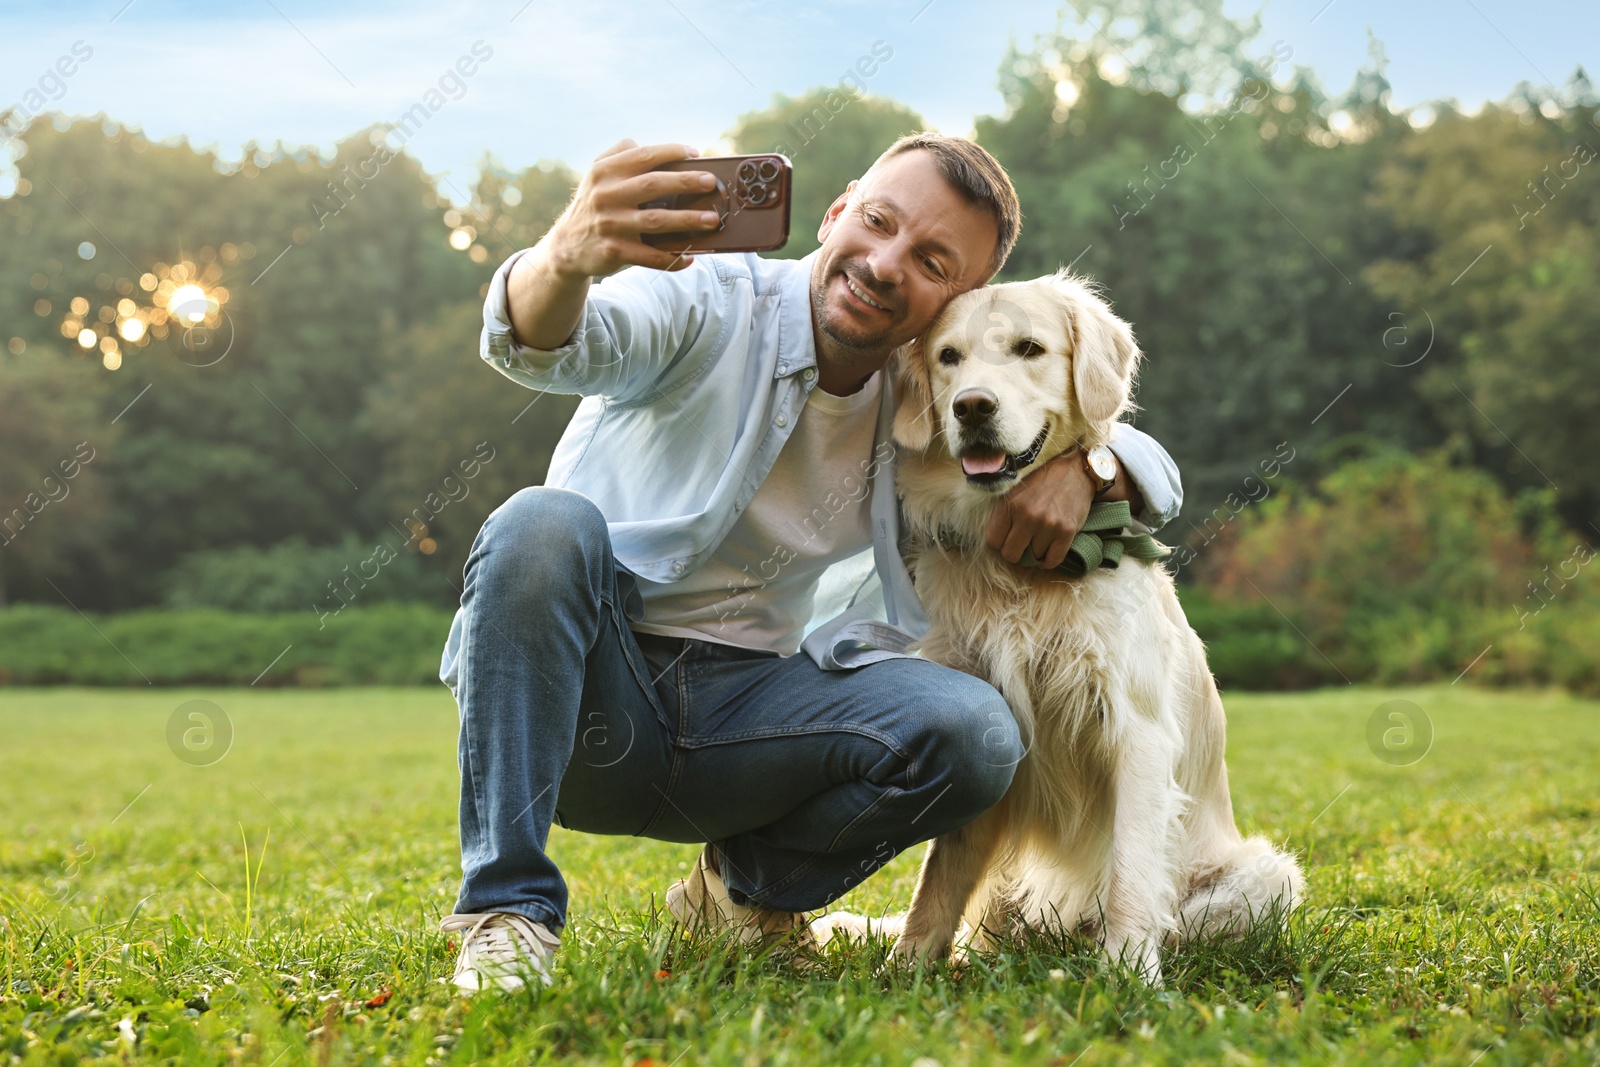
[1118, 820]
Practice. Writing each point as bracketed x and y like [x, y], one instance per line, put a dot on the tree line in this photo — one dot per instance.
[269, 372]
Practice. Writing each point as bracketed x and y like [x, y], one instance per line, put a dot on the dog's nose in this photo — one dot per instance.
[975, 405]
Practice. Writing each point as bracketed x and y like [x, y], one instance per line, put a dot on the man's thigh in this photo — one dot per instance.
[622, 754]
[760, 737]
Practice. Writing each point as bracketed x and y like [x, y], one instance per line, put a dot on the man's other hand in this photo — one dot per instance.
[1048, 507]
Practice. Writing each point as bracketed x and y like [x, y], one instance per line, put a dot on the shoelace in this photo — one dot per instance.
[491, 933]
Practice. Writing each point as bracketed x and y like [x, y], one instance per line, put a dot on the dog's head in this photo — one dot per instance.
[1010, 375]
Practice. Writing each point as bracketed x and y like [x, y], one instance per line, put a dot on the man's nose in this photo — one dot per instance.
[973, 406]
[886, 262]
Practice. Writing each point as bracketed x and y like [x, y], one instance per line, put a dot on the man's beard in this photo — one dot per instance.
[850, 342]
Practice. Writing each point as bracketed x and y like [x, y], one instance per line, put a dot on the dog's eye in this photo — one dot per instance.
[949, 356]
[1027, 348]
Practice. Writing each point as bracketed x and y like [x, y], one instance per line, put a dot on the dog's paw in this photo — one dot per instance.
[1141, 955]
[919, 950]
[825, 927]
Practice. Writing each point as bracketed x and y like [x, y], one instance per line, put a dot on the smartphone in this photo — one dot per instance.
[752, 196]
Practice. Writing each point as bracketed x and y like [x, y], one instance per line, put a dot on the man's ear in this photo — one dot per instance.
[1104, 353]
[835, 209]
[913, 396]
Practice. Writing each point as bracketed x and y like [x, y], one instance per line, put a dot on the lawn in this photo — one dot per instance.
[279, 906]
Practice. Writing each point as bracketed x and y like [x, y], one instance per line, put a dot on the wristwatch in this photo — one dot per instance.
[1101, 463]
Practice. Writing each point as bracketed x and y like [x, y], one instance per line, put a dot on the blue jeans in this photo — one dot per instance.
[806, 780]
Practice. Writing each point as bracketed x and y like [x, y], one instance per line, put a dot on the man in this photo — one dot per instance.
[625, 658]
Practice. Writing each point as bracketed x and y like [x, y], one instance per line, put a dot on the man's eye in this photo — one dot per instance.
[874, 219]
[933, 267]
[949, 356]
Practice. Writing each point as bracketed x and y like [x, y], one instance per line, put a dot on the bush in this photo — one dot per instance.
[388, 644]
[1251, 646]
[1556, 648]
[1403, 568]
[295, 576]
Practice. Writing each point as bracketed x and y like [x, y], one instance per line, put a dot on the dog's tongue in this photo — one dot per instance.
[983, 462]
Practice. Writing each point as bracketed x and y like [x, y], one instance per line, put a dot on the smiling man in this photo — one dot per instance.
[696, 630]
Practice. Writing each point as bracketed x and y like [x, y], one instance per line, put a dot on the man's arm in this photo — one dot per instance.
[1048, 508]
[546, 328]
[598, 234]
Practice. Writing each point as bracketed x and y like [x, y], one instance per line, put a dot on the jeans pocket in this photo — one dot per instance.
[651, 666]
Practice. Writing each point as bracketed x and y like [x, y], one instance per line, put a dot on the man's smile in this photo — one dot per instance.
[860, 298]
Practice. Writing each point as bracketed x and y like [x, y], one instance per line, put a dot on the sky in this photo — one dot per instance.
[565, 80]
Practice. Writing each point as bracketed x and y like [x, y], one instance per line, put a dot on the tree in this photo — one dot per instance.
[1232, 238]
[458, 437]
[1172, 47]
[248, 438]
[1502, 215]
[52, 495]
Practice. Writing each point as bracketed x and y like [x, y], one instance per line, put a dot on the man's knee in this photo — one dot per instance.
[548, 511]
[540, 535]
[968, 738]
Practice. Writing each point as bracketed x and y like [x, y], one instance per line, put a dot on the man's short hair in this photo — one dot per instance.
[977, 176]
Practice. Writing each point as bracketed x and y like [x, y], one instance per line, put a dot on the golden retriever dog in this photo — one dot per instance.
[1118, 822]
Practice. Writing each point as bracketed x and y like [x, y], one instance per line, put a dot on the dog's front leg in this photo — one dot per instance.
[1144, 847]
[950, 872]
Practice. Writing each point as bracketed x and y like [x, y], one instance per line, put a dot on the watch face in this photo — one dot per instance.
[1103, 463]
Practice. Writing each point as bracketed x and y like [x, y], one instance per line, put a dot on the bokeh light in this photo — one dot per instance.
[187, 302]
[184, 294]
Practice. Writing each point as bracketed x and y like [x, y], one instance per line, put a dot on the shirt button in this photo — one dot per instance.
[809, 374]
[782, 421]
[678, 567]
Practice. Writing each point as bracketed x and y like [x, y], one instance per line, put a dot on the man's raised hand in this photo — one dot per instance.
[598, 233]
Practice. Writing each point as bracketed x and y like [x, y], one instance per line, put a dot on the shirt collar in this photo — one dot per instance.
[797, 347]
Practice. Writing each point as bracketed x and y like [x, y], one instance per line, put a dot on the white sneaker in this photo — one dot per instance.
[500, 949]
[701, 905]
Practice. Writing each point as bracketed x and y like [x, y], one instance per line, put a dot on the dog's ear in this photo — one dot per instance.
[913, 395]
[1104, 353]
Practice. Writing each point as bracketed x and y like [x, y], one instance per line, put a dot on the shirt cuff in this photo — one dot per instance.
[1152, 471]
[499, 346]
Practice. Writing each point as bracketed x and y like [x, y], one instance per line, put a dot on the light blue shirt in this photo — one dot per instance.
[692, 380]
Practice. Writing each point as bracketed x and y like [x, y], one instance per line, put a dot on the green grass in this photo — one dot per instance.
[1452, 912]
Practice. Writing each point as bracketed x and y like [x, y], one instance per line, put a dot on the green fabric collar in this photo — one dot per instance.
[1104, 541]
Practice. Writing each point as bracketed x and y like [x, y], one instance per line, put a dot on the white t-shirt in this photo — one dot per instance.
[811, 511]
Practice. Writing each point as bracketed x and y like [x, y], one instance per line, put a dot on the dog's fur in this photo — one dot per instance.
[1118, 820]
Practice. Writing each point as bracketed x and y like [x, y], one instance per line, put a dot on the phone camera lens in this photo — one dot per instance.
[747, 171]
[768, 169]
[756, 193]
